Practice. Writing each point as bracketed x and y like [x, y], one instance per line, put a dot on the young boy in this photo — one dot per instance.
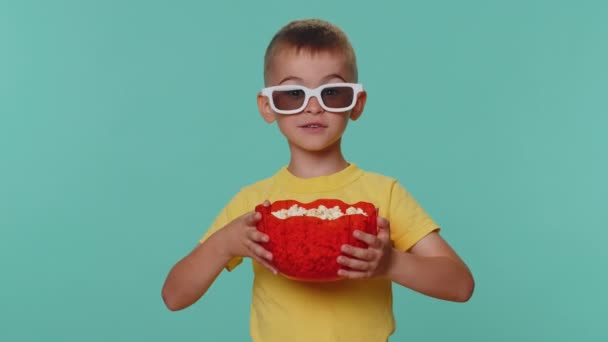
[311, 76]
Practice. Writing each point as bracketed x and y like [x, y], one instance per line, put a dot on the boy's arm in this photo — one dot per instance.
[192, 276]
[433, 268]
[430, 267]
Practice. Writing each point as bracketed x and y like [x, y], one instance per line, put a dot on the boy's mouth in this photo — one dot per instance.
[313, 125]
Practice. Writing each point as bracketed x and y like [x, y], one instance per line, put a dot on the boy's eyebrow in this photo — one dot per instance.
[329, 77]
[290, 78]
[298, 79]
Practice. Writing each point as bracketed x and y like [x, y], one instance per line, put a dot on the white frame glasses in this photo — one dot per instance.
[308, 93]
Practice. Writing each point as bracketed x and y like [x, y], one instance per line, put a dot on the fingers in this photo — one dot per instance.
[253, 239]
[256, 235]
[382, 223]
[252, 242]
[366, 254]
[384, 230]
[251, 219]
[371, 261]
[353, 274]
[369, 239]
[266, 264]
[356, 264]
[257, 250]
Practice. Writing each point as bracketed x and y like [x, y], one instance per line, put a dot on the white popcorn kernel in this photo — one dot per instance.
[321, 212]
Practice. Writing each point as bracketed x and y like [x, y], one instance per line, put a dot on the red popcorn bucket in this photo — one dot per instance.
[306, 248]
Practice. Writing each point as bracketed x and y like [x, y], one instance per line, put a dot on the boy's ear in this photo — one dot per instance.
[357, 110]
[264, 108]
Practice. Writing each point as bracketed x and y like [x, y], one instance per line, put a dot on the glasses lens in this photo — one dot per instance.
[288, 99]
[337, 97]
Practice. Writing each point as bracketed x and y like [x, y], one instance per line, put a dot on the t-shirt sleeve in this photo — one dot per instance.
[408, 221]
[235, 208]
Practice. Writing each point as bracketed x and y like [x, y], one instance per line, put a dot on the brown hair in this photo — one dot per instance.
[314, 36]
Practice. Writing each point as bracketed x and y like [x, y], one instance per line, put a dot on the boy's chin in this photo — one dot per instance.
[315, 148]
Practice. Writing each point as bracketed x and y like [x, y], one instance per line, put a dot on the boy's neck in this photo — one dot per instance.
[305, 164]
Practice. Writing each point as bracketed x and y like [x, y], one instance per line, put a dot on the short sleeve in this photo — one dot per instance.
[408, 221]
[235, 208]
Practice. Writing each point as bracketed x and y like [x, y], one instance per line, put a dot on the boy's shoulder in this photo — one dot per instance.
[265, 183]
[378, 180]
[257, 187]
[379, 177]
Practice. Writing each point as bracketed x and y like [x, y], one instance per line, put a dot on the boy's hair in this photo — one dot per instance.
[313, 36]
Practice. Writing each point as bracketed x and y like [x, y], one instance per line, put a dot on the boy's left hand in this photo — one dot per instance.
[372, 261]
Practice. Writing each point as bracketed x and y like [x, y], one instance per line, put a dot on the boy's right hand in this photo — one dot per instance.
[242, 239]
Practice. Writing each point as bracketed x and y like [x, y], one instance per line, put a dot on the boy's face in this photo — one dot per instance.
[313, 129]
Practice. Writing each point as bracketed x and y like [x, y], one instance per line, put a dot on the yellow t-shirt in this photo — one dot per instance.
[347, 310]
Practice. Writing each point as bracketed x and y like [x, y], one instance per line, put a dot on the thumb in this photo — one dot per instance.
[384, 230]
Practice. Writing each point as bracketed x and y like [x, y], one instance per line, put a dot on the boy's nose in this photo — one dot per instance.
[313, 106]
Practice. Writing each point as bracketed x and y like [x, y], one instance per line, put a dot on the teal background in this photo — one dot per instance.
[125, 126]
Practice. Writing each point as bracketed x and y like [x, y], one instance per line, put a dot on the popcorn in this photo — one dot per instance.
[321, 212]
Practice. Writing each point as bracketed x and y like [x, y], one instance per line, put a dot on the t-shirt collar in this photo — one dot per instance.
[287, 181]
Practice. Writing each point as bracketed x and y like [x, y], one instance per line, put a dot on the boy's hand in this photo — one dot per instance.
[372, 261]
[242, 239]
